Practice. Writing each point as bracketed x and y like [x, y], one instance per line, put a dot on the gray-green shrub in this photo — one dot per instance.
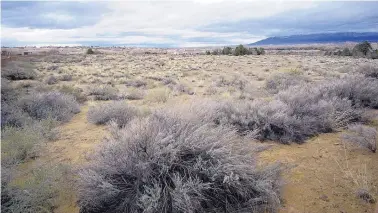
[165, 163]
[282, 81]
[301, 111]
[18, 71]
[118, 111]
[51, 80]
[54, 105]
[364, 136]
[105, 92]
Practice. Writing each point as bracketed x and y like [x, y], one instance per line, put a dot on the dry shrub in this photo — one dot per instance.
[51, 80]
[103, 92]
[8, 91]
[360, 90]
[368, 70]
[158, 95]
[66, 77]
[136, 83]
[282, 81]
[18, 71]
[285, 122]
[19, 144]
[181, 88]
[364, 136]
[211, 90]
[54, 105]
[12, 115]
[37, 193]
[165, 163]
[168, 81]
[235, 82]
[365, 195]
[302, 111]
[74, 91]
[135, 94]
[118, 111]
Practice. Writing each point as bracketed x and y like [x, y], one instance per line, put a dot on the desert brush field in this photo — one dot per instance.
[124, 131]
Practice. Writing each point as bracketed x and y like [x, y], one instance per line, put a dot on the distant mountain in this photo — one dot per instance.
[319, 38]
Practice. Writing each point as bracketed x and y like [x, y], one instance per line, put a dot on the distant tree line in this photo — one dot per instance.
[239, 50]
[361, 50]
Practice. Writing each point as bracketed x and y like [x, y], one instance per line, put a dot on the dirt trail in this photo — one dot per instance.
[77, 138]
[315, 183]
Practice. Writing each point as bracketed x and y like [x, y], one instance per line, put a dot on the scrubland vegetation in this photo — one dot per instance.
[237, 51]
[185, 132]
[363, 49]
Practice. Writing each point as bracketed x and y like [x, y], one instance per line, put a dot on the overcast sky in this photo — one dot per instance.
[176, 23]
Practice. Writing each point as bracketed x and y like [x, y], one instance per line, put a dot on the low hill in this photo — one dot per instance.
[319, 38]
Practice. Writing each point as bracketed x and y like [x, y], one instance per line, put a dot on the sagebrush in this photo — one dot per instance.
[118, 111]
[50, 105]
[363, 136]
[164, 163]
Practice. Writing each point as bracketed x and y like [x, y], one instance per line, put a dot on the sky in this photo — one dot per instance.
[186, 23]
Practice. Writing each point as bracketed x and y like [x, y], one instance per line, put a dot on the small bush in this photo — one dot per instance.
[54, 105]
[368, 71]
[52, 67]
[282, 81]
[346, 52]
[47, 128]
[136, 83]
[90, 51]
[8, 92]
[168, 164]
[19, 144]
[66, 78]
[18, 71]
[12, 115]
[260, 51]
[51, 80]
[365, 195]
[76, 92]
[103, 92]
[215, 52]
[168, 81]
[135, 94]
[363, 136]
[118, 111]
[37, 192]
[158, 95]
[182, 88]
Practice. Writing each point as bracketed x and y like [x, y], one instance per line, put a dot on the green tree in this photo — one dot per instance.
[241, 50]
[90, 51]
[346, 52]
[215, 52]
[227, 51]
[363, 48]
[260, 51]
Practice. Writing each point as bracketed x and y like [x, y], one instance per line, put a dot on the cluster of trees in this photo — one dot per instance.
[363, 49]
[239, 50]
